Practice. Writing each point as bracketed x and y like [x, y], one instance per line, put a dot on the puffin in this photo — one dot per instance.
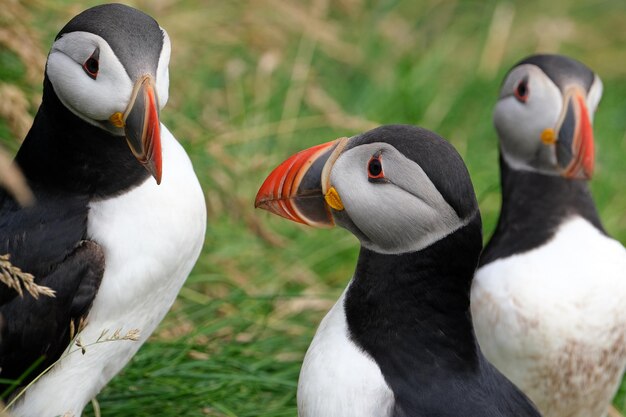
[549, 294]
[119, 216]
[399, 342]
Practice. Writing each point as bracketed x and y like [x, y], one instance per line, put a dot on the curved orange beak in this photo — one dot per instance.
[294, 189]
[143, 128]
[575, 146]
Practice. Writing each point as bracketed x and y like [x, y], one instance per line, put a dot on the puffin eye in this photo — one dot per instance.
[375, 169]
[91, 66]
[522, 91]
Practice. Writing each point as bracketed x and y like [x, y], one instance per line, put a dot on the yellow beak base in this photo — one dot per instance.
[333, 200]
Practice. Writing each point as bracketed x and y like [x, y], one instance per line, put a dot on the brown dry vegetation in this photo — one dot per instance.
[252, 82]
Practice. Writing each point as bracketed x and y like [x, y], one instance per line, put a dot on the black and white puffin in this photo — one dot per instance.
[399, 341]
[549, 295]
[119, 218]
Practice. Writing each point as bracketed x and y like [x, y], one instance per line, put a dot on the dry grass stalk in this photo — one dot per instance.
[297, 86]
[552, 32]
[131, 335]
[437, 111]
[320, 100]
[14, 277]
[301, 67]
[74, 330]
[16, 35]
[310, 20]
[12, 180]
[96, 407]
[247, 134]
[613, 412]
[14, 109]
[257, 227]
[497, 40]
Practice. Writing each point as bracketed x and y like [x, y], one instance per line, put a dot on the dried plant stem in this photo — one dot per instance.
[12, 179]
[131, 335]
[14, 277]
[96, 407]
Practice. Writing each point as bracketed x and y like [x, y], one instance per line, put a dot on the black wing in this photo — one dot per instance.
[43, 235]
[483, 392]
[45, 240]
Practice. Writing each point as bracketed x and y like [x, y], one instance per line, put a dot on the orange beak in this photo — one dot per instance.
[294, 189]
[143, 128]
[575, 145]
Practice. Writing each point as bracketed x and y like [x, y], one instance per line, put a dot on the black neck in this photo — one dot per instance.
[63, 152]
[410, 312]
[533, 207]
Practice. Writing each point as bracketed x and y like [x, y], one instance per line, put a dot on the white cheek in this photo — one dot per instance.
[594, 96]
[163, 73]
[93, 100]
[163, 86]
[66, 77]
[520, 125]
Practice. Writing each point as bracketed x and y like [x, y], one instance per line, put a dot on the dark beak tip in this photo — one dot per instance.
[261, 204]
[269, 204]
[262, 199]
[154, 168]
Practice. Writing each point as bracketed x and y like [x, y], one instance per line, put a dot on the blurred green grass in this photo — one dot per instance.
[254, 81]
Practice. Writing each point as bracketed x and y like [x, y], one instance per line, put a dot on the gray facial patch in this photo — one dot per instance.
[405, 213]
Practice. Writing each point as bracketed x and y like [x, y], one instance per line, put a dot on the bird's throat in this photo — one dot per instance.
[64, 152]
[416, 302]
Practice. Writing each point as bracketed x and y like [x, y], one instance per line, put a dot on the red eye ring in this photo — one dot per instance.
[375, 168]
[91, 66]
[522, 91]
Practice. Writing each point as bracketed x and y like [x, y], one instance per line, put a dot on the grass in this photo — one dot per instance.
[254, 81]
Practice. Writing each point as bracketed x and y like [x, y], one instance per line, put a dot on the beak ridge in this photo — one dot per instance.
[294, 189]
[576, 144]
[143, 128]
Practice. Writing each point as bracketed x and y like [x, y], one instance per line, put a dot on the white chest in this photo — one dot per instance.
[337, 378]
[553, 319]
[151, 236]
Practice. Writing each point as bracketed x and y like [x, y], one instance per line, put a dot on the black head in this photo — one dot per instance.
[562, 70]
[398, 188]
[136, 38]
[544, 115]
[109, 67]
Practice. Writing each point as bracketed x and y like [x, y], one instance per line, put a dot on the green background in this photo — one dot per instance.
[252, 82]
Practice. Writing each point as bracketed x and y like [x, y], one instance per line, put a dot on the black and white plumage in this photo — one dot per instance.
[548, 298]
[399, 342]
[114, 244]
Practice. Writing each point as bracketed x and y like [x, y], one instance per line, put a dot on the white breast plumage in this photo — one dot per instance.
[151, 236]
[338, 379]
[553, 320]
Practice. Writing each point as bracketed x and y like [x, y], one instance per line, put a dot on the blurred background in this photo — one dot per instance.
[253, 82]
